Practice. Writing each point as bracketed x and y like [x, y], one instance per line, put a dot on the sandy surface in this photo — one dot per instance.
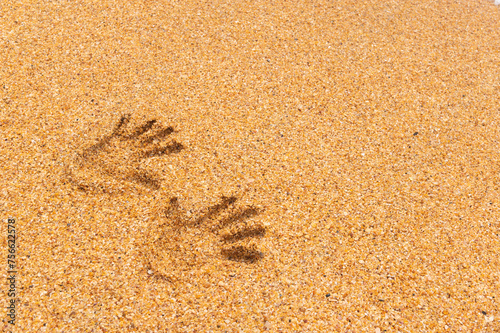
[243, 166]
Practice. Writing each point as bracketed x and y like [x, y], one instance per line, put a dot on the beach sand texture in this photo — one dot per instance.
[249, 166]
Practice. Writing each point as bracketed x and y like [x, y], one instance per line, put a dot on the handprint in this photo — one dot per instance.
[176, 241]
[179, 242]
[117, 157]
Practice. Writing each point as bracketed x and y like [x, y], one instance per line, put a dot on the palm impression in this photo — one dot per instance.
[117, 157]
[180, 241]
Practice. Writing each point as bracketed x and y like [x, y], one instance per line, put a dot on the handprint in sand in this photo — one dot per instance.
[116, 158]
[178, 242]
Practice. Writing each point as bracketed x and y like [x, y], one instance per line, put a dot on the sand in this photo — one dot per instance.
[249, 166]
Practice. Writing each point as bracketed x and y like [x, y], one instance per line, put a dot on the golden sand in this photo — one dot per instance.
[249, 166]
